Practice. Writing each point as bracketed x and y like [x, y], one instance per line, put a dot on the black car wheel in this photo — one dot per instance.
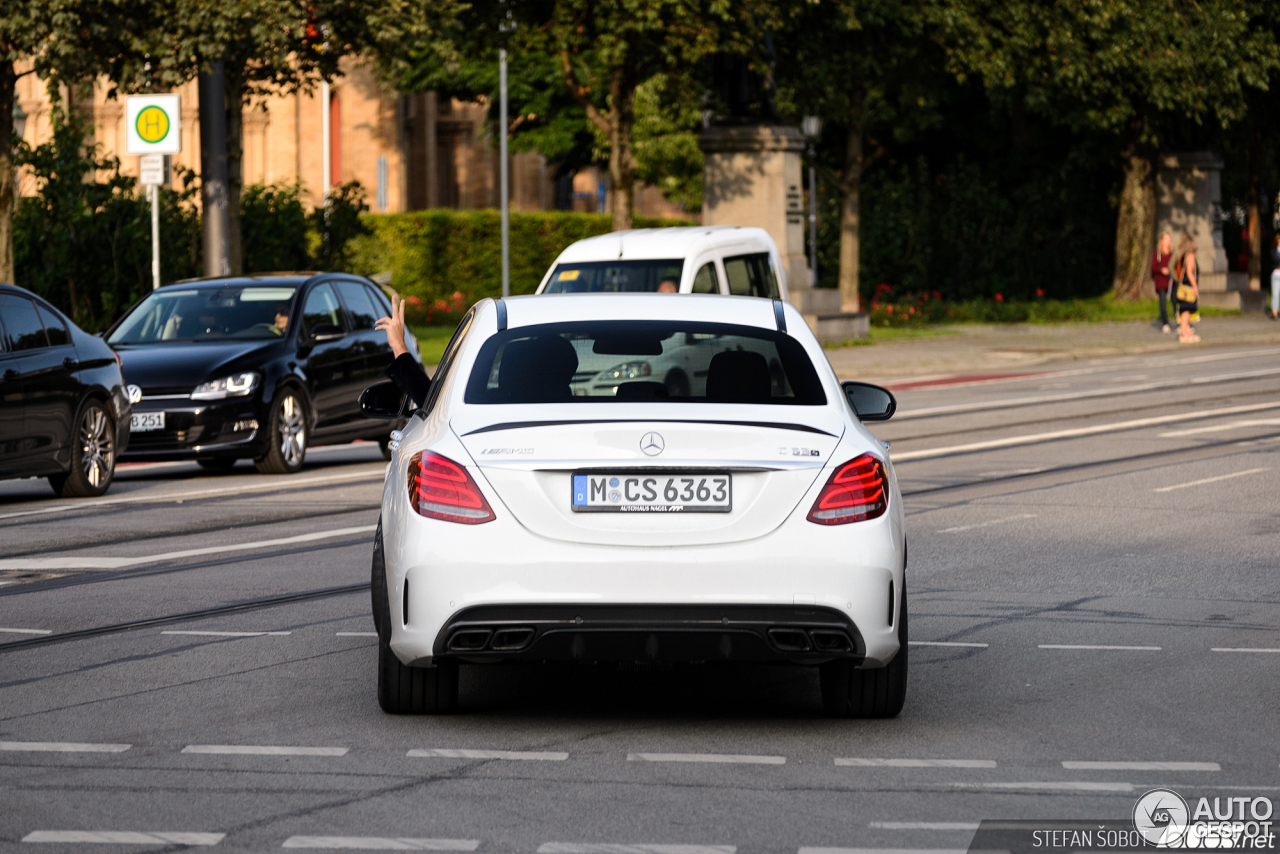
[851, 693]
[286, 436]
[93, 454]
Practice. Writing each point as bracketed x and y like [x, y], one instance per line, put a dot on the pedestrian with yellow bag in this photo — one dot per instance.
[1187, 295]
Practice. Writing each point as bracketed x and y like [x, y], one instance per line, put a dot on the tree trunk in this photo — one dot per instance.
[8, 80]
[851, 185]
[235, 167]
[1135, 227]
[622, 164]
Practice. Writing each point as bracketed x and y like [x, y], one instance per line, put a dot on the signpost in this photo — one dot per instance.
[154, 131]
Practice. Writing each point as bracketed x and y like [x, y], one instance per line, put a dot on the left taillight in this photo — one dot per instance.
[857, 491]
[439, 488]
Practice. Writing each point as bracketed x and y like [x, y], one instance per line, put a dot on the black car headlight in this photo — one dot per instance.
[236, 385]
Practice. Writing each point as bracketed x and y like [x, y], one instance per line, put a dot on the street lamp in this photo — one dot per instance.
[811, 126]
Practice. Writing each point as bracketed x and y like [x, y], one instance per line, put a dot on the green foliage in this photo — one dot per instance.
[274, 227]
[443, 261]
[920, 312]
[668, 124]
[335, 225]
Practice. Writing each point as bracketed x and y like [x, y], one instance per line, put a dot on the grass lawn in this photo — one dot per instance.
[431, 341]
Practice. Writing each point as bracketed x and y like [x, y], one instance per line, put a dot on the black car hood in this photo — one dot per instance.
[180, 367]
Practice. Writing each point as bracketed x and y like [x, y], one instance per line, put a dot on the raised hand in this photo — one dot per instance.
[394, 326]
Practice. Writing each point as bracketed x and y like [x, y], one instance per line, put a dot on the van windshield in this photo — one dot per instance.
[656, 276]
[649, 361]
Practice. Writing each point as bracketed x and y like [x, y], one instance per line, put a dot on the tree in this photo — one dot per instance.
[855, 63]
[1121, 67]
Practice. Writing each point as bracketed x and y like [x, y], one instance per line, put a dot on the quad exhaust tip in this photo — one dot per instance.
[492, 640]
[812, 640]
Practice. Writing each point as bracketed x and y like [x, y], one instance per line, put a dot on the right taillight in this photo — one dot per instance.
[439, 488]
[855, 493]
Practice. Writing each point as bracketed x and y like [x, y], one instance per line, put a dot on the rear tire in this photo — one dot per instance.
[93, 454]
[404, 690]
[851, 693]
[286, 435]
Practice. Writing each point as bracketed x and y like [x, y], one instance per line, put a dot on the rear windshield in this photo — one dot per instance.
[207, 313]
[651, 361]
[616, 277]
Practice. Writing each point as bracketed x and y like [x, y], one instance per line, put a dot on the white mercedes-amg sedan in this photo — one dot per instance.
[746, 515]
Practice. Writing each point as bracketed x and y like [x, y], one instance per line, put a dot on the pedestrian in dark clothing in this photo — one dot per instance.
[1160, 262]
[404, 371]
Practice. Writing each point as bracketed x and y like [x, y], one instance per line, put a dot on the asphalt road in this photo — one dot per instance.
[1095, 611]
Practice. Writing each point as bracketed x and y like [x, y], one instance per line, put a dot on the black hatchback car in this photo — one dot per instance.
[257, 367]
[64, 412]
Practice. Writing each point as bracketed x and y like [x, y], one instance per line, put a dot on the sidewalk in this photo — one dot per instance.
[1009, 348]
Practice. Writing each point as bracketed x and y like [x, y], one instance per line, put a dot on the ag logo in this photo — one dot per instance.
[152, 124]
[651, 444]
[1161, 817]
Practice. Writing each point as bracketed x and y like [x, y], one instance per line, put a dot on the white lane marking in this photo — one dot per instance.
[1209, 480]
[516, 755]
[125, 837]
[282, 484]
[1060, 785]
[618, 848]
[381, 843]
[1141, 766]
[90, 562]
[28, 631]
[917, 763]
[948, 643]
[957, 408]
[924, 825]
[988, 524]
[356, 634]
[1076, 432]
[64, 746]
[1096, 646]
[1218, 428]
[723, 758]
[263, 750]
[1242, 649]
[228, 634]
[812, 850]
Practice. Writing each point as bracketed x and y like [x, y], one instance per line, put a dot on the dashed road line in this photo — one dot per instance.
[63, 747]
[28, 631]
[960, 528]
[1203, 481]
[356, 634]
[263, 750]
[924, 825]
[949, 643]
[1141, 766]
[381, 843]
[1058, 786]
[916, 763]
[1243, 649]
[94, 562]
[1096, 646]
[719, 758]
[811, 850]
[515, 755]
[228, 634]
[125, 837]
[623, 848]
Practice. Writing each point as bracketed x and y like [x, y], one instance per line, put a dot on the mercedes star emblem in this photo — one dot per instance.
[652, 444]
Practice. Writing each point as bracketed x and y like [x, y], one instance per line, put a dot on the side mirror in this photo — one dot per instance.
[383, 401]
[871, 402]
[327, 332]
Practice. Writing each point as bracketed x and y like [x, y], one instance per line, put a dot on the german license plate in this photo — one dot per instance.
[646, 492]
[141, 422]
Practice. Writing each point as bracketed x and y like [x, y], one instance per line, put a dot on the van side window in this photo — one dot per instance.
[751, 276]
[706, 282]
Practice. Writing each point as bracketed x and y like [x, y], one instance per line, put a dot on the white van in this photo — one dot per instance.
[721, 259]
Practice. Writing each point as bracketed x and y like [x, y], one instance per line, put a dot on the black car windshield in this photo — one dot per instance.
[651, 361]
[204, 313]
[616, 276]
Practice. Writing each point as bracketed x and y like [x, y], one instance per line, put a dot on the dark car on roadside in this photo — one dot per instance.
[253, 367]
[64, 411]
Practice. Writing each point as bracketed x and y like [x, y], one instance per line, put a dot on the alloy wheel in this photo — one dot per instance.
[97, 450]
[292, 426]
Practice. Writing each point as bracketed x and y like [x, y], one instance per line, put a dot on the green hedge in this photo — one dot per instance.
[445, 260]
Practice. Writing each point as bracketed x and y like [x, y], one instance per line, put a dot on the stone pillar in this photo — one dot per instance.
[752, 178]
[1189, 199]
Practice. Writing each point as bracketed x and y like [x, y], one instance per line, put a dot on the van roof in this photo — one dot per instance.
[652, 243]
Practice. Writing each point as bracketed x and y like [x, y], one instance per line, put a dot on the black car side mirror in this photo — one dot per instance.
[871, 402]
[384, 400]
[327, 332]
